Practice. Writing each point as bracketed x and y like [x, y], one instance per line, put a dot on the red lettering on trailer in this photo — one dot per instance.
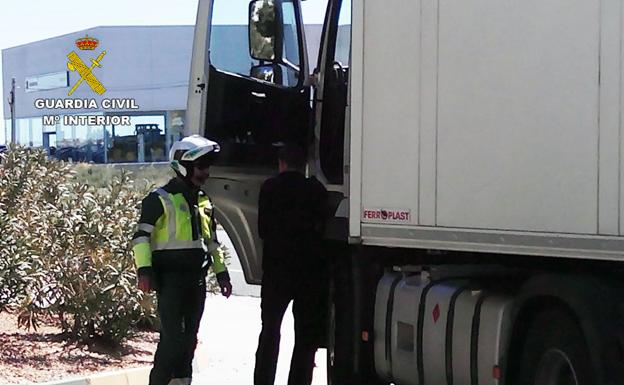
[386, 215]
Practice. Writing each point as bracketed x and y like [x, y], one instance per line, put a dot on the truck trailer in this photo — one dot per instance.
[473, 154]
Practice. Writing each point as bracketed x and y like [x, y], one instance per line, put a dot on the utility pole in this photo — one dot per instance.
[11, 100]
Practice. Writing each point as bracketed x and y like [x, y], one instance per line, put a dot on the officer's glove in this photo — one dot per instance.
[223, 279]
[144, 279]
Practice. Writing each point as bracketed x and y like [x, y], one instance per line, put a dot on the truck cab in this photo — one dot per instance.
[252, 89]
[473, 152]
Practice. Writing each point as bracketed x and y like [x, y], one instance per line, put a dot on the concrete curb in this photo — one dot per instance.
[136, 376]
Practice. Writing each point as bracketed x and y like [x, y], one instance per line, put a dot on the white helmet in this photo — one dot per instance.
[189, 150]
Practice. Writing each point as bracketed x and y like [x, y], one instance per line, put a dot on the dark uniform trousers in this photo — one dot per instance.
[181, 298]
[309, 296]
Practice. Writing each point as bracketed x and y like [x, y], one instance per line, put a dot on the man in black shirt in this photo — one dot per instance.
[291, 218]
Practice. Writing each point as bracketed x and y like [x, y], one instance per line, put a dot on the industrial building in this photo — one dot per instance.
[111, 93]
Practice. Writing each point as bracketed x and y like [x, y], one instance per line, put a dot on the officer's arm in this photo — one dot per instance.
[218, 257]
[218, 262]
[151, 210]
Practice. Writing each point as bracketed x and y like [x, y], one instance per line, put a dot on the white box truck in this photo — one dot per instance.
[474, 154]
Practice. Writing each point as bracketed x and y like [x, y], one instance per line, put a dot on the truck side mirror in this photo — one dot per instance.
[271, 73]
[265, 30]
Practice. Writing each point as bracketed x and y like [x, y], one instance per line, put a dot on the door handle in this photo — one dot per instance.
[259, 94]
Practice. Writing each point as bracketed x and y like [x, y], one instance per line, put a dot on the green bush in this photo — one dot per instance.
[29, 185]
[145, 176]
[65, 250]
[65, 247]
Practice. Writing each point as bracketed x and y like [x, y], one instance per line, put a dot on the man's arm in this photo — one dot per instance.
[151, 210]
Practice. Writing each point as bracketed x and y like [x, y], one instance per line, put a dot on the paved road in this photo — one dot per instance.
[228, 339]
[229, 335]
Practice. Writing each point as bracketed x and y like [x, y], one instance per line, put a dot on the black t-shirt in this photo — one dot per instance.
[291, 219]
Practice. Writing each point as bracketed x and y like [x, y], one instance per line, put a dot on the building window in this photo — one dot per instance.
[79, 143]
[22, 130]
[5, 132]
[124, 144]
[36, 132]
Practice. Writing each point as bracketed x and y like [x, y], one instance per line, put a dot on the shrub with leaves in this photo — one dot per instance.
[144, 176]
[65, 248]
[91, 268]
[29, 185]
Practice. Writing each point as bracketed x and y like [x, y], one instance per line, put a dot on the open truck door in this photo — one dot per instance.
[248, 91]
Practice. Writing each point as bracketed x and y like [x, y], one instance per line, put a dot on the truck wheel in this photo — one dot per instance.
[555, 352]
[331, 343]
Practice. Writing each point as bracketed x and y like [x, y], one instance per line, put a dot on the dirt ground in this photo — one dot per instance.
[42, 355]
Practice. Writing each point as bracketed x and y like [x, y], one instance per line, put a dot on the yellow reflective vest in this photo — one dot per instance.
[173, 235]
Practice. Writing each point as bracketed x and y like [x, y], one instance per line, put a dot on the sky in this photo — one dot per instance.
[26, 21]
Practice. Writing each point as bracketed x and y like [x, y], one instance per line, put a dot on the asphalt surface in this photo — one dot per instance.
[228, 340]
[229, 332]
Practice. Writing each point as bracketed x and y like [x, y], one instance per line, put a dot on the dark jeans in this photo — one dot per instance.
[309, 304]
[181, 298]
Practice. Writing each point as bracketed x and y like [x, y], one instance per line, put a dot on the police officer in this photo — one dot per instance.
[291, 217]
[174, 246]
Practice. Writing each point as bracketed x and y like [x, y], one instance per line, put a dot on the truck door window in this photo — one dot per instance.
[291, 43]
[343, 39]
[291, 49]
[335, 91]
[229, 44]
[256, 99]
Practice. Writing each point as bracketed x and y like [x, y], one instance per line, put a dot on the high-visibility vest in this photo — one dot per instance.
[173, 231]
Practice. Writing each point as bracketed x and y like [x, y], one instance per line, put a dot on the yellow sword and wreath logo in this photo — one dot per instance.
[86, 73]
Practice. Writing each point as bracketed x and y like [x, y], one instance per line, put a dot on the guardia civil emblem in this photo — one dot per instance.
[75, 63]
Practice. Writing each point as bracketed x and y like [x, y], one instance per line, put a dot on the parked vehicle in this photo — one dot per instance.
[474, 154]
[129, 148]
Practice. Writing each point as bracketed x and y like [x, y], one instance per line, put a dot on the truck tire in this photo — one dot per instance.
[555, 352]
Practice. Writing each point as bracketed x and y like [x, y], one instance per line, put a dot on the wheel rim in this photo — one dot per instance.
[555, 368]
